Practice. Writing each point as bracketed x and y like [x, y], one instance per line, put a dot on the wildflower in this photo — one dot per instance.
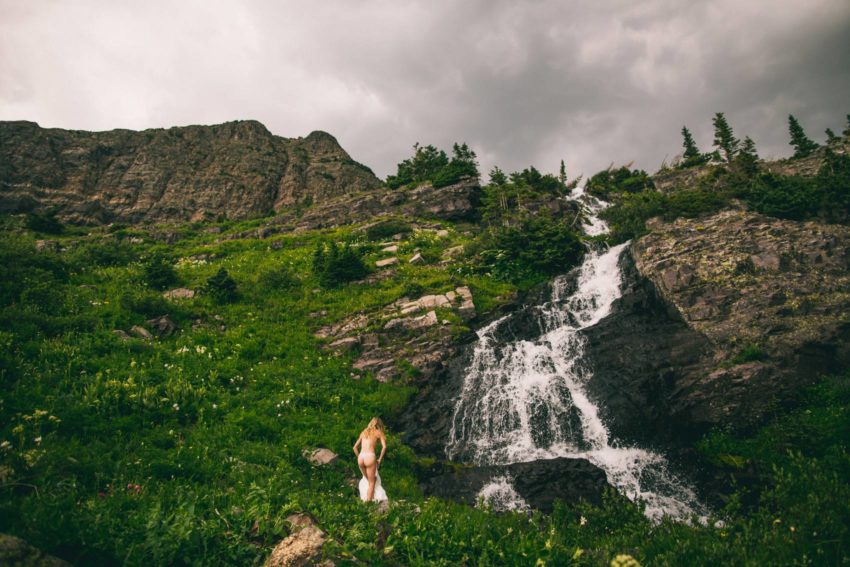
[37, 440]
[5, 445]
[215, 406]
[176, 407]
[582, 521]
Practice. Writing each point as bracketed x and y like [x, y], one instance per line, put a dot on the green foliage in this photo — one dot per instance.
[534, 248]
[497, 176]
[46, 223]
[611, 182]
[750, 353]
[784, 197]
[158, 271]
[833, 180]
[221, 287]
[386, 229]
[691, 156]
[724, 139]
[103, 253]
[278, 278]
[334, 266]
[747, 158]
[803, 146]
[431, 164]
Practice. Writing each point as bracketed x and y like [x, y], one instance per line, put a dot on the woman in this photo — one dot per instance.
[365, 451]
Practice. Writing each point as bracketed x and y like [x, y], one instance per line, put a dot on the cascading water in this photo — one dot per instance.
[524, 400]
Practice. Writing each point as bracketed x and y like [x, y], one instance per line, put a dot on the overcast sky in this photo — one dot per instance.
[591, 82]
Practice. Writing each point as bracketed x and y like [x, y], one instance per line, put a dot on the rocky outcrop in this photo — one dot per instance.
[453, 202]
[233, 170]
[302, 547]
[15, 552]
[539, 483]
[408, 340]
[725, 318]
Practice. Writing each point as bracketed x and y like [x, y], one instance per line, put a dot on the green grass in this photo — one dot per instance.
[188, 450]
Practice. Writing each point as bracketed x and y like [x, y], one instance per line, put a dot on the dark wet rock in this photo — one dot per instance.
[162, 326]
[15, 552]
[539, 483]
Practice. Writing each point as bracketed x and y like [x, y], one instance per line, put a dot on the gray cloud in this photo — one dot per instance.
[523, 82]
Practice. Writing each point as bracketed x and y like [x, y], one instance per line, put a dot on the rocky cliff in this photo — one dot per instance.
[723, 319]
[234, 170]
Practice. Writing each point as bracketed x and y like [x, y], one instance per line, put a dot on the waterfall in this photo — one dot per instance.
[524, 400]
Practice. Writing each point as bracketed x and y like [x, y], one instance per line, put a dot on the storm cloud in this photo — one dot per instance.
[523, 83]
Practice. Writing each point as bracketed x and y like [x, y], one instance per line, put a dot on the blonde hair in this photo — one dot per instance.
[375, 423]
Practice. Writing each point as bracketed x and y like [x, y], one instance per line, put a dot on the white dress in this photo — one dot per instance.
[379, 490]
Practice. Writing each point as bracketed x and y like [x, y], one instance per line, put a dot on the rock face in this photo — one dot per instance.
[723, 319]
[303, 547]
[539, 483]
[236, 170]
[15, 552]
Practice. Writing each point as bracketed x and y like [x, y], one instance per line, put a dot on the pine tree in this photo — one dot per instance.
[692, 155]
[747, 157]
[831, 138]
[846, 131]
[562, 174]
[803, 146]
[724, 139]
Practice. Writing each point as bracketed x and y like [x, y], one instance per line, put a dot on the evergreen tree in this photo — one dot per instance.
[692, 155]
[221, 287]
[562, 174]
[747, 157]
[846, 131]
[497, 176]
[803, 146]
[724, 139]
[831, 138]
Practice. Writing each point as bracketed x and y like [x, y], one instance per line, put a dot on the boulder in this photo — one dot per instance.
[179, 293]
[162, 326]
[140, 332]
[387, 262]
[121, 334]
[321, 456]
[303, 547]
[391, 249]
[540, 483]
[15, 552]
[453, 252]
[467, 307]
[417, 259]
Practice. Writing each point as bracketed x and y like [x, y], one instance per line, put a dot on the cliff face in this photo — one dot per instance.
[723, 318]
[236, 170]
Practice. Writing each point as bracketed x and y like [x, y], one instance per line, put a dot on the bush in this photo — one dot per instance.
[46, 223]
[108, 252]
[334, 266]
[532, 250]
[159, 272]
[278, 278]
[431, 164]
[833, 180]
[610, 182]
[221, 287]
[784, 197]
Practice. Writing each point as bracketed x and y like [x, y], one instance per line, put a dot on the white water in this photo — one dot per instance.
[525, 400]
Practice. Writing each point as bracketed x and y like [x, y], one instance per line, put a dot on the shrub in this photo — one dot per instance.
[431, 164]
[334, 266]
[531, 250]
[278, 278]
[784, 197]
[46, 223]
[108, 252]
[221, 287]
[833, 180]
[610, 182]
[159, 272]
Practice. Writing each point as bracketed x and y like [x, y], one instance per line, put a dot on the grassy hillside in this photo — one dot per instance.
[188, 449]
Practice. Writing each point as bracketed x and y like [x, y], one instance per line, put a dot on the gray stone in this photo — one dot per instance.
[140, 332]
[15, 552]
[163, 326]
[303, 547]
[417, 259]
[391, 249]
[410, 323]
[386, 262]
[321, 456]
[345, 344]
[121, 334]
[179, 293]
[453, 252]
